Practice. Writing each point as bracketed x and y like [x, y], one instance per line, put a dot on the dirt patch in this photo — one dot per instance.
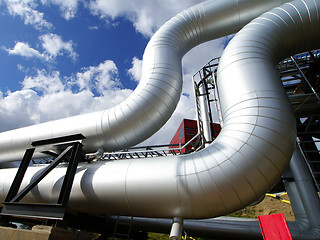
[269, 205]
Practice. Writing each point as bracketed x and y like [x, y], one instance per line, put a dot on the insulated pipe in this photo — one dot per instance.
[245, 160]
[306, 188]
[204, 112]
[295, 201]
[176, 229]
[224, 228]
[159, 90]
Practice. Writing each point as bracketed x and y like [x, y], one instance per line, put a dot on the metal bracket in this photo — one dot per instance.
[12, 207]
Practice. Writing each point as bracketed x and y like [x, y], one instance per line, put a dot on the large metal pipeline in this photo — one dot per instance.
[256, 142]
[159, 90]
[303, 198]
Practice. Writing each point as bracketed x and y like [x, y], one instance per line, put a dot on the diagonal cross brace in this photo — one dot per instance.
[67, 183]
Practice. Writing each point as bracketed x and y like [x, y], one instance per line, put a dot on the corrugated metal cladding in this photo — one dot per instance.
[247, 158]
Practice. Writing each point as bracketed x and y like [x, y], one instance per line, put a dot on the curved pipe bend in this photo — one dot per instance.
[246, 159]
[156, 97]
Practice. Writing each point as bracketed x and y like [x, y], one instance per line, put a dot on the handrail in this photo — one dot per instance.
[307, 163]
[150, 151]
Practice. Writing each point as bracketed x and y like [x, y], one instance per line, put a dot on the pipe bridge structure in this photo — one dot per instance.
[248, 157]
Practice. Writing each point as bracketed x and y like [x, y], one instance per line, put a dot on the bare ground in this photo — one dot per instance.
[269, 205]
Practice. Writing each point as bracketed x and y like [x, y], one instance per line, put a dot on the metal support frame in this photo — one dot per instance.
[304, 78]
[204, 84]
[12, 206]
[176, 229]
[20, 174]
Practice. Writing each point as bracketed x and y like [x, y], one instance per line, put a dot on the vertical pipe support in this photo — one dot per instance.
[69, 177]
[293, 193]
[305, 187]
[204, 111]
[176, 229]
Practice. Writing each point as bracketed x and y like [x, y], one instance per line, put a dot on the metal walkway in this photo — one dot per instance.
[153, 151]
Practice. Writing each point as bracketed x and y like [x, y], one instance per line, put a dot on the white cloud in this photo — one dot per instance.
[146, 15]
[63, 104]
[54, 45]
[25, 9]
[35, 108]
[20, 67]
[100, 78]
[44, 83]
[17, 109]
[68, 8]
[67, 103]
[93, 28]
[48, 96]
[24, 50]
[135, 71]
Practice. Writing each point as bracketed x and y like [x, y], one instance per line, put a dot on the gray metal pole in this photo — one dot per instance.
[204, 111]
[293, 193]
[305, 187]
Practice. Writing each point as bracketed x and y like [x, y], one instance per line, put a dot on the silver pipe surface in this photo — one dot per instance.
[176, 229]
[159, 90]
[204, 112]
[252, 150]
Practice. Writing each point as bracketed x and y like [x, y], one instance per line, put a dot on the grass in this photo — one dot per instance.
[249, 212]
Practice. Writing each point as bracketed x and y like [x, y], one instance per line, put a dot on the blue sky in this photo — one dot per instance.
[91, 38]
[65, 57]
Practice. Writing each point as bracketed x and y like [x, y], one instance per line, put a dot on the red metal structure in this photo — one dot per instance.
[274, 227]
[187, 130]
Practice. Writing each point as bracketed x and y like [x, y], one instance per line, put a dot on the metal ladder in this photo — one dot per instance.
[300, 75]
[122, 229]
[207, 76]
[308, 132]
